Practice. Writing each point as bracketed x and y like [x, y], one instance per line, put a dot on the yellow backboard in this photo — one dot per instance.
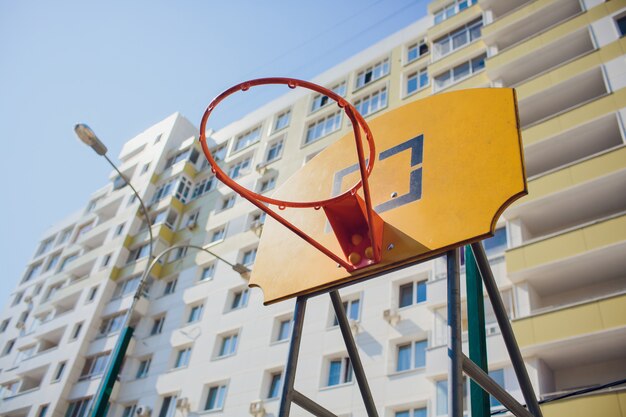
[446, 167]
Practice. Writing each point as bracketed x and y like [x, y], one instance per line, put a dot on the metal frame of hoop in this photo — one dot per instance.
[365, 166]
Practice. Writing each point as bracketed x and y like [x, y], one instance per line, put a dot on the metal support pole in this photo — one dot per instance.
[292, 359]
[455, 371]
[496, 390]
[353, 353]
[310, 405]
[476, 332]
[506, 330]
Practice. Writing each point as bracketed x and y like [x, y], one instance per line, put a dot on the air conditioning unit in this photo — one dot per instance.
[256, 226]
[257, 408]
[192, 225]
[354, 326]
[142, 411]
[28, 299]
[182, 403]
[261, 168]
[19, 325]
[391, 316]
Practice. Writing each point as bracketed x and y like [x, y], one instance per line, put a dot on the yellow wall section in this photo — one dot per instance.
[566, 245]
[571, 321]
[611, 404]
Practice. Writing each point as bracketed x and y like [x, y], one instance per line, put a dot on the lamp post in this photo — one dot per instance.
[100, 406]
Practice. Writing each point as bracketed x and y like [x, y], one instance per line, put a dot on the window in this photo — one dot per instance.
[17, 298]
[168, 408]
[460, 72]
[219, 153]
[190, 154]
[106, 259]
[119, 229]
[416, 81]
[53, 261]
[192, 219]
[442, 397]
[112, 323]
[416, 412]
[163, 191]
[157, 325]
[170, 286]
[416, 50]
[274, 387]
[497, 244]
[195, 313]
[203, 186]
[119, 182]
[621, 25]
[129, 410]
[144, 367]
[284, 330]
[92, 293]
[228, 345]
[274, 151]
[158, 138]
[68, 260]
[182, 191]
[320, 100]
[59, 371]
[92, 205]
[248, 257]
[457, 39]
[218, 234]
[498, 376]
[227, 202]
[43, 410]
[207, 272]
[64, 236]
[82, 230]
[413, 292]
[45, 246]
[145, 168]
[215, 398]
[78, 408]
[352, 309]
[373, 73]
[77, 328]
[267, 184]
[94, 365]
[179, 253]
[239, 168]
[323, 127]
[4, 325]
[282, 120]
[248, 138]
[138, 253]
[126, 287]
[452, 9]
[8, 347]
[339, 371]
[51, 291]
[372, 102]
[182, 357]
[411, 355]
[32, 272]
[240, 299]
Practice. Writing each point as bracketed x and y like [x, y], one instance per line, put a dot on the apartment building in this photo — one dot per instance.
[205, 345]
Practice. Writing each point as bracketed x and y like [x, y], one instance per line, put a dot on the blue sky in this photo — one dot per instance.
[121, 66]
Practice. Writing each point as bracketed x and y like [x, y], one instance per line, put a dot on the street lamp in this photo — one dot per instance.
[101, 404]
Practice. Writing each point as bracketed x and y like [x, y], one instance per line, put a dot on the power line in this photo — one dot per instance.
[571, 394]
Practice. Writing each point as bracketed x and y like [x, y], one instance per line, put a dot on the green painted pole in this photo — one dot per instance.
[476, 332]
[102, 400]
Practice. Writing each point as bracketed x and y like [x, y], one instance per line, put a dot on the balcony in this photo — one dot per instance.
[569, 196]
[461, 55]
[540, 53]
[545, 253]
[517, 25]
[574, 117]
[560, 96]
[598, 404]
[574, 144]
[452, 23]
[599, 315]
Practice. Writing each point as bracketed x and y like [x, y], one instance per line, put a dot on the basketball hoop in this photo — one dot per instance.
[357, 227]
